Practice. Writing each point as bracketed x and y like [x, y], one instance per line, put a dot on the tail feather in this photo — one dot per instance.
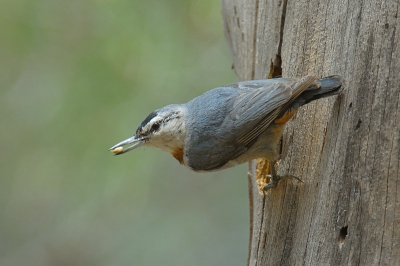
[321, 88]
[330, 86]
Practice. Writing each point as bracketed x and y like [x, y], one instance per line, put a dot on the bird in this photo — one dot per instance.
[230, 125]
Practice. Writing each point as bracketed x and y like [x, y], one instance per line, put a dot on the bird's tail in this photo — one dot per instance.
[330, 86]
[323, 87]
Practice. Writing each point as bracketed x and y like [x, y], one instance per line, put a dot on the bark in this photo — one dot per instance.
[346, 149]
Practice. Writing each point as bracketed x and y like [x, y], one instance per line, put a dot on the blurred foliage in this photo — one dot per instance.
[78, 76]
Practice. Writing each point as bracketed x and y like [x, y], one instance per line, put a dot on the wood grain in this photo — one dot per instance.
[346, 149]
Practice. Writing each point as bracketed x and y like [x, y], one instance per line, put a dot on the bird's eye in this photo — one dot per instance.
[155, 126]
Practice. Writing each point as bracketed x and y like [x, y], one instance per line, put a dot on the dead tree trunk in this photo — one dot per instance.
[346, 149]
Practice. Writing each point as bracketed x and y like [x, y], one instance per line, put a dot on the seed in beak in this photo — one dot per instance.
[117, 150]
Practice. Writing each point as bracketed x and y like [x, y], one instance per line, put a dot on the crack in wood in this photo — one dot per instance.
[253, 71]
[251, 208]
[260, 232]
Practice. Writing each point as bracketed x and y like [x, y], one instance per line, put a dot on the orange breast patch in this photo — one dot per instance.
[286, 116]
[178, 154]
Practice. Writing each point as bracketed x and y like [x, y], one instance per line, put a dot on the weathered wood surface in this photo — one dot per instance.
[346, 149]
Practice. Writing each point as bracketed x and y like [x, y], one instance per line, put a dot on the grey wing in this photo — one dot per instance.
[249, 113]
[252, 113]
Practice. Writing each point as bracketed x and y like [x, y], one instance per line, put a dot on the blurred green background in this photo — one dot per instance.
[79, 76]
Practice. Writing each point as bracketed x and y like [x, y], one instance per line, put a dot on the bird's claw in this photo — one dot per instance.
[275, 181]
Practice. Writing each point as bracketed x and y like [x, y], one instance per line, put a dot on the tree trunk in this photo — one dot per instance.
[346, 149]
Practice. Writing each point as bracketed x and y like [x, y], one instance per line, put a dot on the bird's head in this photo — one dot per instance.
[163, 128]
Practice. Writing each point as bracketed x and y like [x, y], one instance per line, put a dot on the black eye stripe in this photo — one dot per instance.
[174, 115]
[156, 126]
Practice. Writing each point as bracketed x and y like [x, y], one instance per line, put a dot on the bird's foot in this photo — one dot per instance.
[274, 181]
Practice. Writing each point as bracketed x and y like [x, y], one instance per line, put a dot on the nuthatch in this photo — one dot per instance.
[230, 125]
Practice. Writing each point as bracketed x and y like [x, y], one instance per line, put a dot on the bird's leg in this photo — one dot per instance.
[276, 178]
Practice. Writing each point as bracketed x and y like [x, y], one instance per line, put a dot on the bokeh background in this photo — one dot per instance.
[78, 76]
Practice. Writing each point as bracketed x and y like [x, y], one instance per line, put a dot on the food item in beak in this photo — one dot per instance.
[117, 150]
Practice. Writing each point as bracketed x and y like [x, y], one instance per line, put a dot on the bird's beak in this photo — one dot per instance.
[118, 148]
